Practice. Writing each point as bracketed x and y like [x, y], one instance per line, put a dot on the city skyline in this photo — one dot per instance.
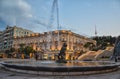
[80, 16]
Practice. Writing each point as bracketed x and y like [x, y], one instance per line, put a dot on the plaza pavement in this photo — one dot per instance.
[4, 74]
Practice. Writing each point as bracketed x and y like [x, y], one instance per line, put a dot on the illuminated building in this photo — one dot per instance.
[48, 41]
[7, 36]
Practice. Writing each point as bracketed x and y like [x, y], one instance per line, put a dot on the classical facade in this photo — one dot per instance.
[7, 36]
[51, 42]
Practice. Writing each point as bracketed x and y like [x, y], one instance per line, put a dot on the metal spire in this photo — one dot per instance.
[95, 31]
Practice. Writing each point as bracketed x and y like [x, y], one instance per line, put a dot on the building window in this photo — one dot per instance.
[56, 45]
[50, 46]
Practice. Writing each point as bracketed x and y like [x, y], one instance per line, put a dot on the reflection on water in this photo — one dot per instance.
[54, 64]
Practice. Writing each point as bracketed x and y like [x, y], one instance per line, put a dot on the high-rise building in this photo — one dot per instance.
[7, 36]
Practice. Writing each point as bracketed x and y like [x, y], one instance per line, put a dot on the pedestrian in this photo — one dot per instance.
[36, 56]
[115, 59]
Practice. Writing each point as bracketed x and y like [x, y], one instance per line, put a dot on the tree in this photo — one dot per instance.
[12, 50]
[104, 41]
[28, 50]
[89, 45]
[21, 49]
[7, 51]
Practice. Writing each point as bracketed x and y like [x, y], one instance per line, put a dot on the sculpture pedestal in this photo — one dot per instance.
[61, 61]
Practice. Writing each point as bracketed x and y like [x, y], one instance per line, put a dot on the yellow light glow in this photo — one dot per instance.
[67, 48]
[59, 47]
[67, 56]
[56, 31]
[63, 31]
[53, 48]
[36, 33]
[52, 57]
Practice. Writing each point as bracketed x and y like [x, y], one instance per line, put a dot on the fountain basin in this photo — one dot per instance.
[53, 68]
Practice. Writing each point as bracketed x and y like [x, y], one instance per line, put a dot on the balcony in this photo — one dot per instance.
[6, 34]
[5, 38]
[5, 41]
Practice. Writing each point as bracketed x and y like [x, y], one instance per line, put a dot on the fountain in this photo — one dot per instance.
[61, 66]
[53, 68]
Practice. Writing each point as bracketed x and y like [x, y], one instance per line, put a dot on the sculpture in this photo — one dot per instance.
[61, 55]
